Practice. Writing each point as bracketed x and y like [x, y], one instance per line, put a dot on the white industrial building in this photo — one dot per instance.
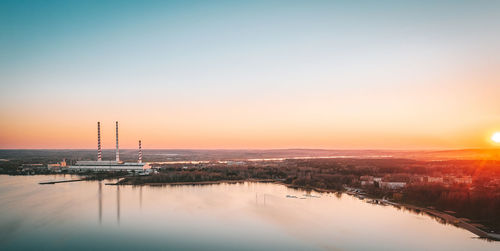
[392, 185]
[109, 165]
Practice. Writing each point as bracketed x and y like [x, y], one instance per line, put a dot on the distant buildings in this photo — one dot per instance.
[32, 168]
[381, 182]
[57, 167]
[433, 179]
[461, 180]
[392, 184]
[367, 180]
[448, 179]
[235, 163]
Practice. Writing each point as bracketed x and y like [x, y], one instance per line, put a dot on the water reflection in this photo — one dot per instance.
[260, 199]
[140, 197]
[100, 202]
[243, 216]
[118, 205]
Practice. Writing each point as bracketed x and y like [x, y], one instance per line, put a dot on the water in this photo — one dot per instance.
[244, 216]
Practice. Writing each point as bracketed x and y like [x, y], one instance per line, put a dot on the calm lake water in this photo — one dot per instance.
[245, 216]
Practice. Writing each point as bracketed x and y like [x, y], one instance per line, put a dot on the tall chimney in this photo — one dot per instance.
[99, 152]
[117, 148]
[140, 152]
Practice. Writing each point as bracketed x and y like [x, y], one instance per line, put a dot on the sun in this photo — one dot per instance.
[496, 137]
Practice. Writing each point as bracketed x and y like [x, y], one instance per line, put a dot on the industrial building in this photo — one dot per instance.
[109, 165]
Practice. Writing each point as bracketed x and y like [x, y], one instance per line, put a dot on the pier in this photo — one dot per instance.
[57, 181]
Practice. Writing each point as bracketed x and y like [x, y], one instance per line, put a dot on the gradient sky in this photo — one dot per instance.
[250, 74]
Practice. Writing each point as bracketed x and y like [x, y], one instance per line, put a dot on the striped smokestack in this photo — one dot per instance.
[99, 152]
[140, 152]
[117, 148]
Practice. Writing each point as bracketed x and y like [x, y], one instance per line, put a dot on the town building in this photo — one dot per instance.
[58, 166]
[392, 185]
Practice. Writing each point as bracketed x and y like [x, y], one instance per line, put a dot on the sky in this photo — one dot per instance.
[250, 74]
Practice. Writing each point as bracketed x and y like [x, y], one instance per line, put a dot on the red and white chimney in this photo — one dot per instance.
[140, 152]
[117, 148]
[99, 152]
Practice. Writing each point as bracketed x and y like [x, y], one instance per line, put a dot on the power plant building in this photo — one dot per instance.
[109, 165]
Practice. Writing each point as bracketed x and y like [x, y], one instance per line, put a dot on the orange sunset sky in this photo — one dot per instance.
[251, 75]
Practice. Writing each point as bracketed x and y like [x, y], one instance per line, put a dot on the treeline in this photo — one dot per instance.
[214, 173]
[322, 181]
[480, 204]
[389, 166]
[181, 176]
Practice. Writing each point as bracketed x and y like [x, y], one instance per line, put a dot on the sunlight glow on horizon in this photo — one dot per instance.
[496, 137]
